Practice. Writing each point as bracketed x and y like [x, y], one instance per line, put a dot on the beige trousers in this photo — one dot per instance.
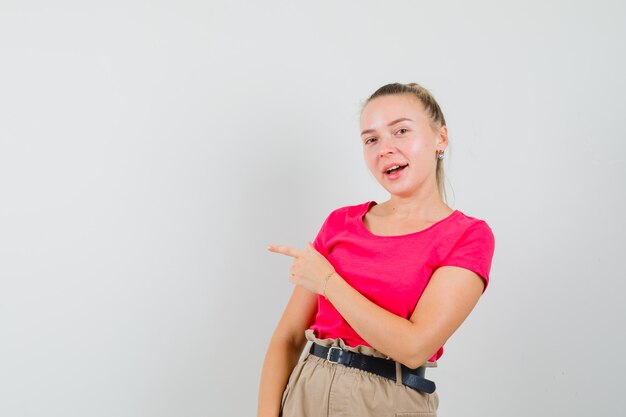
[319, 388]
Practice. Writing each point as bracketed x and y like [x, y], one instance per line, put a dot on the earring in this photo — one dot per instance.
[440, 154]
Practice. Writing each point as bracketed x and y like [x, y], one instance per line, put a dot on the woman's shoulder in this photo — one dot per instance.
[466, 220]
[351, 211]
[339, 219]
[467, 225]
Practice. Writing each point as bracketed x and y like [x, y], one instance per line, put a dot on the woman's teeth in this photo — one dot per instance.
[394, 168]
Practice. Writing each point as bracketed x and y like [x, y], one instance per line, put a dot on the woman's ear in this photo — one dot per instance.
[443, 137]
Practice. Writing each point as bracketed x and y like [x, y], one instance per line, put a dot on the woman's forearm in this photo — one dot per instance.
[280, 359]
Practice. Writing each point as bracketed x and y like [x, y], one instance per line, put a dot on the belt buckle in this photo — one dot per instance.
[330, 350]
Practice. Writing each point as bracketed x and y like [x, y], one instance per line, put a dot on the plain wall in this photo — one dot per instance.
[149, 151]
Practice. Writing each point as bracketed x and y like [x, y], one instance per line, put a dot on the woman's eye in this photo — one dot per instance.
[402, 130]
[369, 140]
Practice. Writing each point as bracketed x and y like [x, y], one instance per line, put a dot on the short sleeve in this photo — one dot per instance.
[474, 251]
[319, 243]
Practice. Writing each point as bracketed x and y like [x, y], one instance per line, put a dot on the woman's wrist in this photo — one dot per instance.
[331, 285]
[326, 283]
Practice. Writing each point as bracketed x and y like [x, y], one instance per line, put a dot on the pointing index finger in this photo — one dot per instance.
[285, 250]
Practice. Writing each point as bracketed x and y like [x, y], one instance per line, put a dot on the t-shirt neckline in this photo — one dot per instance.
[373, 203]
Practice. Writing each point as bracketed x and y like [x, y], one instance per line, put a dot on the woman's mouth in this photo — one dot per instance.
[395, 171]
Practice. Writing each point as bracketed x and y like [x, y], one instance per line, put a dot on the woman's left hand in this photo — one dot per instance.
[310, 269]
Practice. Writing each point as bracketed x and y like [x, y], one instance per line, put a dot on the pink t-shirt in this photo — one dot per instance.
[393, 271]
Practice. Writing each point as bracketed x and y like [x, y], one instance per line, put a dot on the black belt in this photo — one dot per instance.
[413, 378]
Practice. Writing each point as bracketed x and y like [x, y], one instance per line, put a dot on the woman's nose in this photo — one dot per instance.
[386, 146]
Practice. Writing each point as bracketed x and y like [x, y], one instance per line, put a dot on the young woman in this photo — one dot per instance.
[383, 286]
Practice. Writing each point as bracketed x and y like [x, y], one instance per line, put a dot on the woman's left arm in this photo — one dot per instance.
[448, 299]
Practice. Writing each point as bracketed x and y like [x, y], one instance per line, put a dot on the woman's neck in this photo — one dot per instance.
[404, 208]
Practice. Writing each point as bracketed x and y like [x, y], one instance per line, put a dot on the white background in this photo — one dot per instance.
[149, 151]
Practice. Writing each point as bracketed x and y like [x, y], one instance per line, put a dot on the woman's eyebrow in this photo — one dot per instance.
[402, 119]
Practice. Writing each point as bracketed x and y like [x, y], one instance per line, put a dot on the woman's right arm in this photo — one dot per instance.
[284, 350]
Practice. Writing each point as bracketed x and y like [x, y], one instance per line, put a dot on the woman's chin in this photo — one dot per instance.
[398, 190]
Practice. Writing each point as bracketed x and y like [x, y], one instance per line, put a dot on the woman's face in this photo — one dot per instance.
[395, 130]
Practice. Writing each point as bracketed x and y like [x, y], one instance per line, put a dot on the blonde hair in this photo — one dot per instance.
[432, 109]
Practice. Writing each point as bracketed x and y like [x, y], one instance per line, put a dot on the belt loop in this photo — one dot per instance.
[398, 373]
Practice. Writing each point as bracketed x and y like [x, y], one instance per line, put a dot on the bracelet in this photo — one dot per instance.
[325, 283]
